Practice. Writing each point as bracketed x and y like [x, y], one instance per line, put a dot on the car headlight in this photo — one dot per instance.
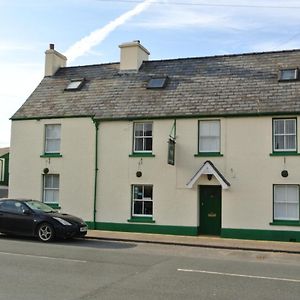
[62, 221]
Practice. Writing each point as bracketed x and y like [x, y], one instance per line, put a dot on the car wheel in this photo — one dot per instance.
[45, 232]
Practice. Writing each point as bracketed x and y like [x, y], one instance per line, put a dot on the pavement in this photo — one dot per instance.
[196, 241]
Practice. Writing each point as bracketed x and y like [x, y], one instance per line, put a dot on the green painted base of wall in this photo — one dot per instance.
[267, 235]
[145, 228]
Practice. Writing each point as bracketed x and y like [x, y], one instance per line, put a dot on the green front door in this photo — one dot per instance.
[210, 209]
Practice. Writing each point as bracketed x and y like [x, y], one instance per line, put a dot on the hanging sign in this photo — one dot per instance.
[171, 152]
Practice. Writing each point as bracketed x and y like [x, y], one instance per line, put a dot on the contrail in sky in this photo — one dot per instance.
[97, 36]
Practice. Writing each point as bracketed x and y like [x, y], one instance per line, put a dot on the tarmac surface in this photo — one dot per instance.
[196, 241]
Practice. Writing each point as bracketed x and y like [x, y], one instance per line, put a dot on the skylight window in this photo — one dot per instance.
[75, 85]
[288, 74]
[157, 83]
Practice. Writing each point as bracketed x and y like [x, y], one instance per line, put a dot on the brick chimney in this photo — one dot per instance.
[132, 56]
[53, 61]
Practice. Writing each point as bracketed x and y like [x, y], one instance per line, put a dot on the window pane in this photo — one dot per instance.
[290, 126]
[53, 131]
[148, 129]
[290, 142]
[55, 181]
[279, 142]
[209, 144]
[293, 211]
[138, 129]
[48, 181]
[52, 145]
[49, 196]
[139, 144]
[280, 211]
[280, 194]
[148, 207]
[148, 144]
[278, 126]
[138, 192]
[138, 207]
[204, 128]
[148, 191]
[214, 128]
[292, 194]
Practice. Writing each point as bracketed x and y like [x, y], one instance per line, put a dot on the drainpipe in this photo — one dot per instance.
[96, 172]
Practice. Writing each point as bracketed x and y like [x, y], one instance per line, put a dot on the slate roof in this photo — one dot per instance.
[217, 85]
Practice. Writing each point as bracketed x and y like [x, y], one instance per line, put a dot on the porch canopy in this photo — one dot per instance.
[208, 168]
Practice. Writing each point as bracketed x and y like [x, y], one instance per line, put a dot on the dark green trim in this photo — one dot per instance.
[256, 234]
[146, 228]
[54, 205]
[200, 116]
[284, 153]
[280, 153]
[208, 154]
[51, 155]
[45, 118]
[196, 116]
[285, 223]
[141, 220]
[96, 173]
[141, 154]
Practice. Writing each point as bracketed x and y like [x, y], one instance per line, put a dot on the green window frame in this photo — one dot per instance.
[51, 185]
[52, 138]
[286, 202]
[142, 137]
[209, 137]
[142, 201]
[284, 135]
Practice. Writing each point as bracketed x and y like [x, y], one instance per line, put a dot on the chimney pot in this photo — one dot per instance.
[51, 46]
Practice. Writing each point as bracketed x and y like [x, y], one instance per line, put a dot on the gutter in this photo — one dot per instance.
[96, 172]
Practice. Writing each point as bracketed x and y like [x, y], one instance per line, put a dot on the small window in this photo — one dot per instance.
[157, 83]
[284, 135]
[288, 74]
[51, 188]
[52, 138]
[209, 136]
[75, 85]
[142, 205]
[142, 137]
[286, 202]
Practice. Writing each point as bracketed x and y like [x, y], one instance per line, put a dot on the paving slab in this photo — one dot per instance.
[196, 241]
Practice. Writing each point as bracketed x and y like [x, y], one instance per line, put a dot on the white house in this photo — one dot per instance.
[205, 145]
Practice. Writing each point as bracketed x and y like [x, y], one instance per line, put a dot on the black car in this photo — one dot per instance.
[34, 218]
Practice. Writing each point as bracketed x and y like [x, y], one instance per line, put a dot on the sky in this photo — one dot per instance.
[89, 32]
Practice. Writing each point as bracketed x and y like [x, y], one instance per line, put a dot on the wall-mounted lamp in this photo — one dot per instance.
[138, 174]
[284, 173]
[209, 176]
[46, 171]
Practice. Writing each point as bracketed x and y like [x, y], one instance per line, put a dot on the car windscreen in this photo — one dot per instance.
[39, 206]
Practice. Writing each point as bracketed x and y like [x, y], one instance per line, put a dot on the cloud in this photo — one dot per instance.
[85, 44]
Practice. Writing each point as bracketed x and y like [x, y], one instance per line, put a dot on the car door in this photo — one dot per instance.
[14, 220]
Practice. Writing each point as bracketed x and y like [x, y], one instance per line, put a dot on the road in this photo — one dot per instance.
[95, 269]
